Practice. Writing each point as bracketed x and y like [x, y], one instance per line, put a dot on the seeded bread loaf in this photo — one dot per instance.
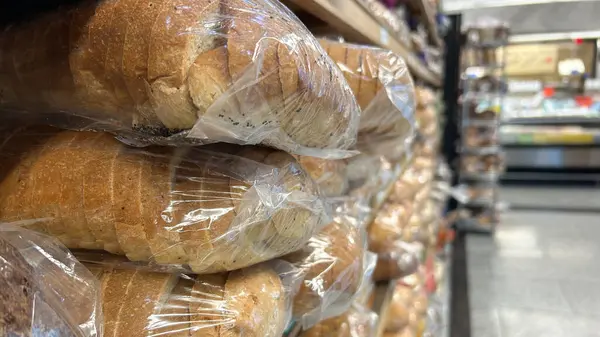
[333, 265]
[220, 70]
[384, 89]
[246, 302]
[214, 208]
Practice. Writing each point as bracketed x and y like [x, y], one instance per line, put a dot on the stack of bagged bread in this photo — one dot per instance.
[336, 261]
[406, 315]
[402, 229]
[194, 156]
[103, 102]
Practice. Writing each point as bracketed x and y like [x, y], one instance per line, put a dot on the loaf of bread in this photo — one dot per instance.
[329, 174]
[358, 321]
[253, 301]
[212, 208]
[44, 291]
[406, 314]
[398, 260]
[334, 266]
[384, 90]
[199, 71]
[388, 225]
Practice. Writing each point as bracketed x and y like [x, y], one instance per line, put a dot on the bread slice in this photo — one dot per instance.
[160, 222]
[196, 196]
[182, 32]
[209, 312]
[89, 56]
[257, 296]
[114, 287]
[71, 188]
[123, 16]
[126, 197]
[46, 189]
[209, 78]
[98, 184]
[136, 48]
[146, 296]
[173, 318]
[369, 70]
[19, 151]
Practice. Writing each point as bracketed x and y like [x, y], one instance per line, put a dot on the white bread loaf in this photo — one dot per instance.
[219, 70]
[212, 209]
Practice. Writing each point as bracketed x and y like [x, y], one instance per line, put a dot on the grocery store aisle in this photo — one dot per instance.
[538, 276]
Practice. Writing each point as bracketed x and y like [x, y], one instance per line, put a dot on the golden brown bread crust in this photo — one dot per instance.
[257, 296]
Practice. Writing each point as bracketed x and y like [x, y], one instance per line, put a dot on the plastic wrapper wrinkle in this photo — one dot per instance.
[46, 290]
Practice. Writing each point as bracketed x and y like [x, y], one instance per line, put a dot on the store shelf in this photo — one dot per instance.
[480, 123]
[356, 23]
[549, 138]
[486, 177]
[482, 151]
[471, 225]
[554, 120]
[480, 202]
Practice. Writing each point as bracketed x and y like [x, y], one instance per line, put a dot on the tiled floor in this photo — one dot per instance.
[539, 276]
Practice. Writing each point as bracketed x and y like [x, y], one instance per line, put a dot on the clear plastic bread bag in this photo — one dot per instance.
[198, 209]
[44, 290]
[392, 239]
[330, 175]
[180, 72]
[253, 301]
[358, 321]
[335, 263]
[384, 89]
[408, 309]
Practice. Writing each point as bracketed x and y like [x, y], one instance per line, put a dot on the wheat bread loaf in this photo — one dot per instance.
[207, 208]
[220, 70]
[330, 175]
[333, 265]
[246, 302]
[383, 87]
